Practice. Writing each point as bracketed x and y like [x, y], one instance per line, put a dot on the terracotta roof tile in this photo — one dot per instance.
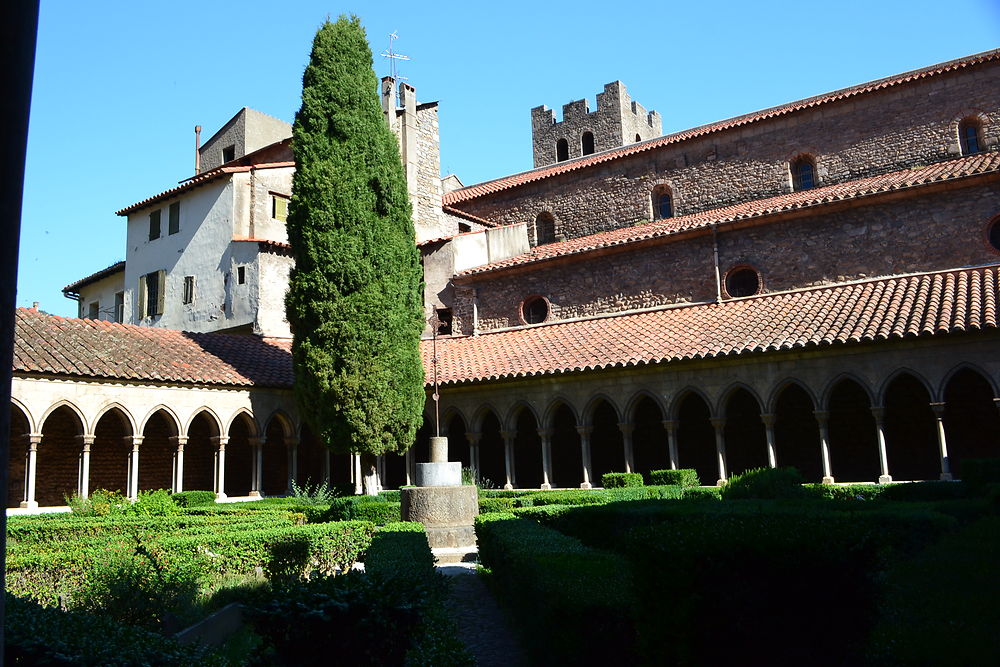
[94, 348]
[514, 180]
[874, 310]
[972, 165]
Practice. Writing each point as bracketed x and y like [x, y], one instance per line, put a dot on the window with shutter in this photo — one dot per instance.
[161, 284]
[140, 306]
[174, 223]
[279, 207]
[188, 289]
[154, 225]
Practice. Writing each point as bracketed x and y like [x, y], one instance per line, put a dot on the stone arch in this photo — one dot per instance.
[681, 395]
[833, 384]
[21, 426]
[285, 422]
[58, 458]
[892, 377]
[202, 431]
[796, 431]
[963, 367]
[695, 434]
[853, 438]
[492, 469]
[158, 450]
[544, 228]
[745, 437]
[167, 411]
[971, 418]
[240, 454]
[978, 122]
[110, 453]
[69, 405]
[522, 421]
[15, 402]
[567, 462]
[780, 387]
[910, 428]
[123, 411]
[484, 410]
[650, 449]
[587, 414]
[662, 204]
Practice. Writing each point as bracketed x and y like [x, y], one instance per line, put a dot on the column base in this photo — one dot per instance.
[586, 485]
[946, 477]
[508, 487]
[545, 487]
[220, 496]
[885, 479]
[827, 480]
[29, 504]
[254, 494]
[720, 482]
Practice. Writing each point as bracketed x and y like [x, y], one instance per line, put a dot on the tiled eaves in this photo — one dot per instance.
[951, 170]
[201, 179]
[94, 277]
[899, 307]
[458, 213]
[515, 180]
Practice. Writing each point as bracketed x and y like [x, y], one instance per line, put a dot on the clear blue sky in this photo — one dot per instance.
[119, 86]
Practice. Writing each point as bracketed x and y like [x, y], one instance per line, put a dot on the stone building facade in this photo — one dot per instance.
[815, 284]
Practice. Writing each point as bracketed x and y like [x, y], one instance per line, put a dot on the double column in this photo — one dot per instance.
[220, 465]
[508, 458]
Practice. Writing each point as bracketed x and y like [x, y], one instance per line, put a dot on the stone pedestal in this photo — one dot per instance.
[440, 501]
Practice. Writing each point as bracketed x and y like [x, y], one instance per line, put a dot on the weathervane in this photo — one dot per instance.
[393, 57]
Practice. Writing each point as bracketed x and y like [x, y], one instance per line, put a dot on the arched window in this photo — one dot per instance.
[534, 310]
[968, 135]
[638, 138]
[545, 228]
[742, 281]
[663, 203]
[562, 150]
[803, 174]
[993, 234]
[587, 143]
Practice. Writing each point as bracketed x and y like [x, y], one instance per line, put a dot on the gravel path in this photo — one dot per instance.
[482, 625]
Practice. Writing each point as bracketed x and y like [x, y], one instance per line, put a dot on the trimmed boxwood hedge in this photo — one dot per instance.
[617, 480]
[193, 498]
[575, 602]
[683, 477]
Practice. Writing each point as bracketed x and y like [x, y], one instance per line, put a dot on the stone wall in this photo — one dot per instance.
[937, 228]
[872, 133]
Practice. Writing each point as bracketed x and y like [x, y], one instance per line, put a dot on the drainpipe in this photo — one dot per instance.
[197, 149]
[715, 255]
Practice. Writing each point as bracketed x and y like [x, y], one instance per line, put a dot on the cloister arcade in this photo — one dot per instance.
[865, 417]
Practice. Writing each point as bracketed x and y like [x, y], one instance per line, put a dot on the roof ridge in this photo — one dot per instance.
[477, 190]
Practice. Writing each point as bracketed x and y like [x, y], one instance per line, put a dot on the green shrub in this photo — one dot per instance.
[392, 495]
[400, 550]
[978, 473]
[194, 498]
[495, 505]
[552, 581]
[665, 492]
[764, 483]
[154, 503]
[626, 494]
[617, 480]
[35, 635]
[376, 509]
[682, 477]
[860, 492]
[702, 493]
[309, 495]
[100, 502]
[572, 497]
[925, 491]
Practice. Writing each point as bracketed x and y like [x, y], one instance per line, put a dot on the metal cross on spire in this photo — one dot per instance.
[393, 56]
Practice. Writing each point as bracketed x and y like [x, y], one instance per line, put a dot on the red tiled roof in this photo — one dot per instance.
[514, 180]
[94, 348]
[200, 179]
[94, 277]
[972, 165]
[266, 244]
[458, 213]
[874, 310]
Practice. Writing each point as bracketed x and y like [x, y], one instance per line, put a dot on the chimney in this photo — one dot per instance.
[34, 305]
[197, 149]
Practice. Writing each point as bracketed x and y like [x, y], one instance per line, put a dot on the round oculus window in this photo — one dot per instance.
[535, 310]
[993, 234]
[742, 281]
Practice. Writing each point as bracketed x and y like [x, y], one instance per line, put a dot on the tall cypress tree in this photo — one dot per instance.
[354, 297]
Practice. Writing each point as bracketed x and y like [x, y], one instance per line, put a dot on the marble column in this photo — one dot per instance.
[178, 481]
[823, 419]
[473, 438]
[293, 462]
[133, 468]
[546, 435]
[671, 427]
[719, 424]
[31, 471]
[83, 478]
[627, 429]
[220, 466]
[585, 432]
[883, 459]
[508, 458]
[772, 455]
[938, 409]
[256, 466]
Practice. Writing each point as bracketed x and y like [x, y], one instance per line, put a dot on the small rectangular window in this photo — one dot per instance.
[188, 289]
[444, 321]
[241, 275]
[174, 216]
[279, 207]
[154, 225]
[229, 153]
[119, 306]
[94, 310]
[151, 289]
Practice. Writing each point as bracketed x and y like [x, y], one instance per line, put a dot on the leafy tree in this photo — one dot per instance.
[354, 298]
